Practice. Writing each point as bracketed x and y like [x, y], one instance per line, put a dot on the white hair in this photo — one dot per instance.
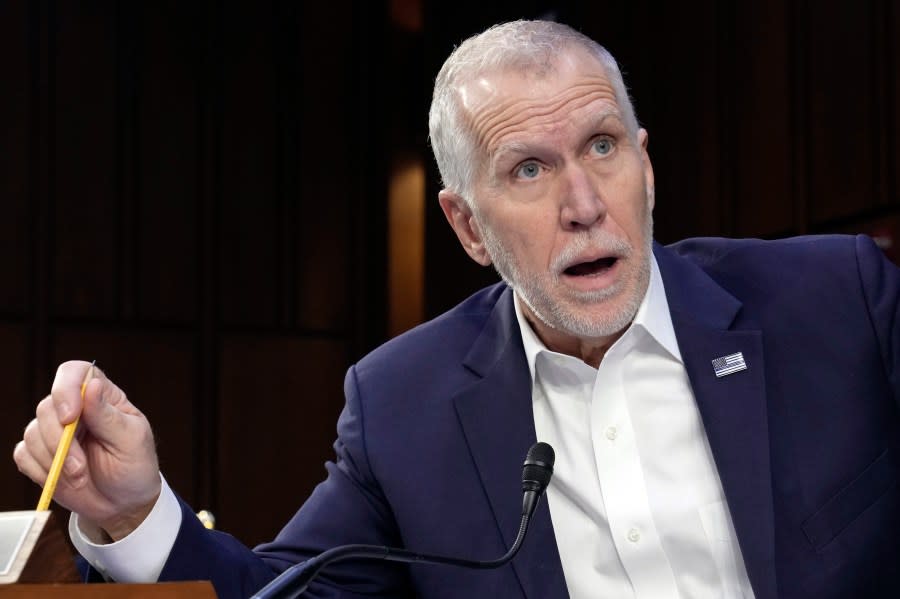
[513, 45]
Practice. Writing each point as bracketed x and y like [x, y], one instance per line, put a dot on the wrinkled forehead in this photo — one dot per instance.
[494, 101]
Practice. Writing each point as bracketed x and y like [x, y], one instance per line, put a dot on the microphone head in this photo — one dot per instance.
[538, 467]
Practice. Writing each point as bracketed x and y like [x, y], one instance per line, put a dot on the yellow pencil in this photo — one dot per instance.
[62, 450]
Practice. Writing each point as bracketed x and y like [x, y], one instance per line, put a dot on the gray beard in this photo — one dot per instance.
[558, 314]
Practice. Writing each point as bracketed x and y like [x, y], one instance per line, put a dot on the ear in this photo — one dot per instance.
[463, 222]
[643, 139]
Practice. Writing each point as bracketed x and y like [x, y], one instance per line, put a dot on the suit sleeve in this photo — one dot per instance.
[880, 281]
[347, 507]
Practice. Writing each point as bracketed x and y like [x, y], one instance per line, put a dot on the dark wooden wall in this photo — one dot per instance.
[193, 193]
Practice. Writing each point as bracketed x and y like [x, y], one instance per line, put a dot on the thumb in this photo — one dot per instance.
[106, 411]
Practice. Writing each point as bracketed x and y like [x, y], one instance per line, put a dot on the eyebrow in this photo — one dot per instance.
[513, 147]
[599, 118]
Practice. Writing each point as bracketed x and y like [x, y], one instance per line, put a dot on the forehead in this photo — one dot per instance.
[520, 100]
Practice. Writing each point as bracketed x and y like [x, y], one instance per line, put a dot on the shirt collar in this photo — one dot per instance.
[652, 316]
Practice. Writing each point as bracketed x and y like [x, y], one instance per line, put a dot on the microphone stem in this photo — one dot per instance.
[293, 582]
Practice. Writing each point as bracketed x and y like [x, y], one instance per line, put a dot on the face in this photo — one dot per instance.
[563, 201]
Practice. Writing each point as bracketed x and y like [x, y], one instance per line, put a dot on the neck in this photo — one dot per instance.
[589, 350]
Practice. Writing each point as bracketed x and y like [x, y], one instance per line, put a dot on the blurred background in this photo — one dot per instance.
[227, 203]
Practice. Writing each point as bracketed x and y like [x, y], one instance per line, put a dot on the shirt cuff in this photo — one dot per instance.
[141, 555]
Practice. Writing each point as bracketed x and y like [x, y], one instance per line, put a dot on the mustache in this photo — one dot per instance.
[595, 240]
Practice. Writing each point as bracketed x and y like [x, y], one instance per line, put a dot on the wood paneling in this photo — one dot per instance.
[169, 76]
[686, 137]
[15, 149]
[760, 149]
[323, 210]
[280, 398]
[86, 166]
[16, 492]
[249, 234]
[892, 87]
[842, 123]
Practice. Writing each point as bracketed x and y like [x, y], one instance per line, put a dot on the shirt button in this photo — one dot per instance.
[612, 433]
[634, 535]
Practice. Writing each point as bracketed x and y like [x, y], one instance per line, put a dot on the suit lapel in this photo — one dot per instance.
[496, 417]
[733, 407]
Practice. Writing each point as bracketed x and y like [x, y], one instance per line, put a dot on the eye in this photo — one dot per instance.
[602, 146]
[528, 170]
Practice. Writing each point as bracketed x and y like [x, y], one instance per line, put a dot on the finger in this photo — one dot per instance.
[30, 467]
[36, 446]
[50, 431]
[72, 481]
[27, 465]
[66, 389]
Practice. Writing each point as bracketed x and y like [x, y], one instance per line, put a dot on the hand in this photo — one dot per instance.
[111, 475]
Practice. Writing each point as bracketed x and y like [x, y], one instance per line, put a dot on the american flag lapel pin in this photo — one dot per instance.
[729, 364]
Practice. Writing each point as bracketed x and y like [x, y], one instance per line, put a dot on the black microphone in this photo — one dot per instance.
[536, 473]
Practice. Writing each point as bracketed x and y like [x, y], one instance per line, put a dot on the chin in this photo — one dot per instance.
[605, 318]
[597, 327]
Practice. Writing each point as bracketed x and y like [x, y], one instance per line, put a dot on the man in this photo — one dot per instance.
[724, 412]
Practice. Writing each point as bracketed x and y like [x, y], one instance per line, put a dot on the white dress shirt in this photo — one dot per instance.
[636, 501]
[140, 556]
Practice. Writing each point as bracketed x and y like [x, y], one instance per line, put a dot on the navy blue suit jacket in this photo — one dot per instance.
[437, 422]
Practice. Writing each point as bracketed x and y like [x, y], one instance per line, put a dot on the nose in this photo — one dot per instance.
[582, 205]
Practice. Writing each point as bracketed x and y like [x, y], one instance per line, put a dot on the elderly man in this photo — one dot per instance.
[724, 412]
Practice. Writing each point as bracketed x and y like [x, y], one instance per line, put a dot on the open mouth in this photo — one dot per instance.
[595, 267]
